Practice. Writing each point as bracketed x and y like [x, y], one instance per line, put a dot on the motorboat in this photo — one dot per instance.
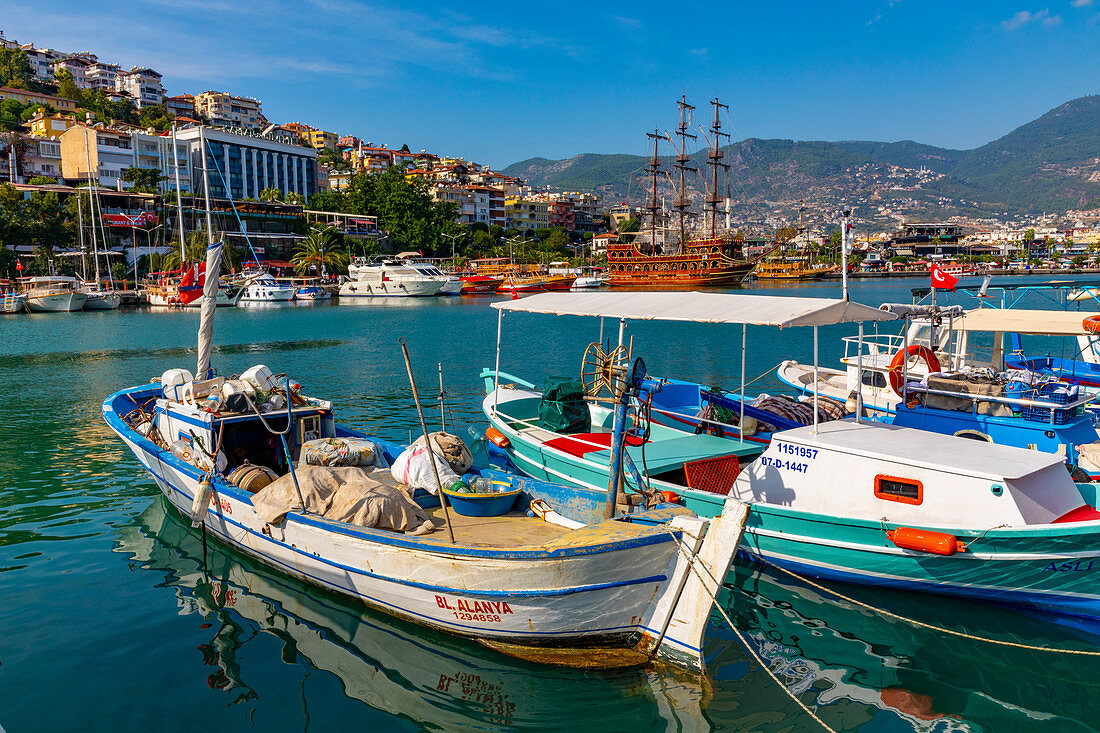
[100, 299]
[480, 284]
[451, 284]
[164, 293]
[958, 378]
[11, 301]
[851, 500]
[264, 288]
[387, 278]
[311, 293]
[53, 294]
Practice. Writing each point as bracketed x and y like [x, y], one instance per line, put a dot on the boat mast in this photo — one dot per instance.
[91, 204]
[714, 161]
[654, 170]
[179, 196]
[206, 189]
[683, 165]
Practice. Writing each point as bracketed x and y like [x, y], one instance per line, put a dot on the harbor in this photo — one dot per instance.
[239, 642]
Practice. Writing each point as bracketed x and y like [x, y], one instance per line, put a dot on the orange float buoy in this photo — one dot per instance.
[1091, 324]
[497, 438]
[896, 363]
[924, 540]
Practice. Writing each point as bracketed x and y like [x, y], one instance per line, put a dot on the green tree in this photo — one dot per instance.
[786, 234]
[556, 241]
[15, 70]
[42, 181]
[1029, 235]
[270, 194]
[632, 224]
[323, 250]
[143, 180]
[66, 87]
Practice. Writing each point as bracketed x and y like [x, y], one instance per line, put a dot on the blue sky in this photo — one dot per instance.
[500, 83]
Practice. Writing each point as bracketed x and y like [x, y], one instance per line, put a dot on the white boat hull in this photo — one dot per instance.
[56, 302]
[102, 301]
[390, 289]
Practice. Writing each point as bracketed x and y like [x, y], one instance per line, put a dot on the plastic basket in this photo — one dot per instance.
[1042, 414]
[482, 505]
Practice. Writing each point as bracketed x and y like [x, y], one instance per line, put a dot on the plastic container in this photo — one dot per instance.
[482, 505]
[260, 378]
[172, 383]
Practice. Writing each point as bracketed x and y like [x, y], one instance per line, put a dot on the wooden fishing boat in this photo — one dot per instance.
[480, 284]
[791, 268]
[625, 587]
[866, 502]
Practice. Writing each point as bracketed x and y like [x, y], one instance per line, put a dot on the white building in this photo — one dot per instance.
[75, 65]
[142, 84]
[101, 76]
[242, 165]
[152, 150]
[41, 60]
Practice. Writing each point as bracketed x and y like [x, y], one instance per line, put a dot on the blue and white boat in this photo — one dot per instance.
[623, 588]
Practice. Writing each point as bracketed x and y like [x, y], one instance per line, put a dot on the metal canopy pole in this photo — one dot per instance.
[817, 386]
[741, 420]
[496, 371]
[859, 375]
[622, 327]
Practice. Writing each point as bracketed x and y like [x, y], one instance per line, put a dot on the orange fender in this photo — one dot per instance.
[899, 359]
[1091, 324]
[924, 540]
[497, 438]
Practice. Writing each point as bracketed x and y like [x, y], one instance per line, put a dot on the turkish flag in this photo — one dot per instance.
[192, 283]
[941, 280]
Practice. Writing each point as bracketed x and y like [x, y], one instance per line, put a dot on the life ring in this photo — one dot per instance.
[1091, 324]
[896, 363]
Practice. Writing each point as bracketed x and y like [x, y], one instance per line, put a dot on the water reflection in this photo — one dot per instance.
[441, 681]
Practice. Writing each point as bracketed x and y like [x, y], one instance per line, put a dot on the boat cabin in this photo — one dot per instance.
[877, 472]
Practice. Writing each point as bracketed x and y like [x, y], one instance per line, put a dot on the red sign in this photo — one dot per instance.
[144, 219]
[18, 265]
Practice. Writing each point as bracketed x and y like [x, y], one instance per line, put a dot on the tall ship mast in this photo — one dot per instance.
[714, 260]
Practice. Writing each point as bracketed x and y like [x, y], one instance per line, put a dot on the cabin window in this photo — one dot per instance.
[874, 379]
[904, 490]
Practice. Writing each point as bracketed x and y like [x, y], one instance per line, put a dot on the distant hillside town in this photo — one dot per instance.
[69, 119]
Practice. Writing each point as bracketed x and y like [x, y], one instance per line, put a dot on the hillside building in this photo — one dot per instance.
[225, 110]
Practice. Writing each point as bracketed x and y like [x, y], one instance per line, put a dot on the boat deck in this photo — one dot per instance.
[514, 529]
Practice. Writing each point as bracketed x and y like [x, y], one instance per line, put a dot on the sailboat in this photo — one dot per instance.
[710, 261]
[98, 298]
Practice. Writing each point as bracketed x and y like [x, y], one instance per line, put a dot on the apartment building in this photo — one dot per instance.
[224, 110]
[321, 139]
[141, 83]
[99, 151]
[560, 214]
[22, 95]
[101, 76]
[42, 158]
[155, 152]
[526, 214]
[41, 60]
[181, 105]
[242, 165]
[75, 65]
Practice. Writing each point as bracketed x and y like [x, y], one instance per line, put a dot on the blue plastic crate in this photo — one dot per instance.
[1051, 393]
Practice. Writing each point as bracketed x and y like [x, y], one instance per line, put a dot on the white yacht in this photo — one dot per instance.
[264, 288]
[452, 285]
[99, 299]
[53, 294]
[388, 279]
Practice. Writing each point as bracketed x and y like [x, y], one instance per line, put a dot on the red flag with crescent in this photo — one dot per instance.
[941, 280]
[192, 283]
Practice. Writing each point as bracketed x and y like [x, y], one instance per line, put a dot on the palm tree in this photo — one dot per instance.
[195, 251]
[320, 251]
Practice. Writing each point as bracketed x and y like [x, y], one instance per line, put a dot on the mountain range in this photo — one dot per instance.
[1051, 164]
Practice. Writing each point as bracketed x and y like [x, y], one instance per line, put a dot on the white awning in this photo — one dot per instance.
[695, 307]
[1037, 322]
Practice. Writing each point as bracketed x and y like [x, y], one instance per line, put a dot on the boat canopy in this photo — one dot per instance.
[1035, 322]
[754, 310]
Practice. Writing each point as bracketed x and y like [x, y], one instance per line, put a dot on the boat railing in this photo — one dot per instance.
[879, 349]
[1056, 409]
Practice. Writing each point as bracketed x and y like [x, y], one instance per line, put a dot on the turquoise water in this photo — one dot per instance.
[110, 621]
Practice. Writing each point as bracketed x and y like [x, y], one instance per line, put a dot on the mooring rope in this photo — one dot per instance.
[744, 642]
[930, 627]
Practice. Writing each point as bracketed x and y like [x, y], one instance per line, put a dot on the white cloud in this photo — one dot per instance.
[1025, 17]
[1081, 3]
[623, 20]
